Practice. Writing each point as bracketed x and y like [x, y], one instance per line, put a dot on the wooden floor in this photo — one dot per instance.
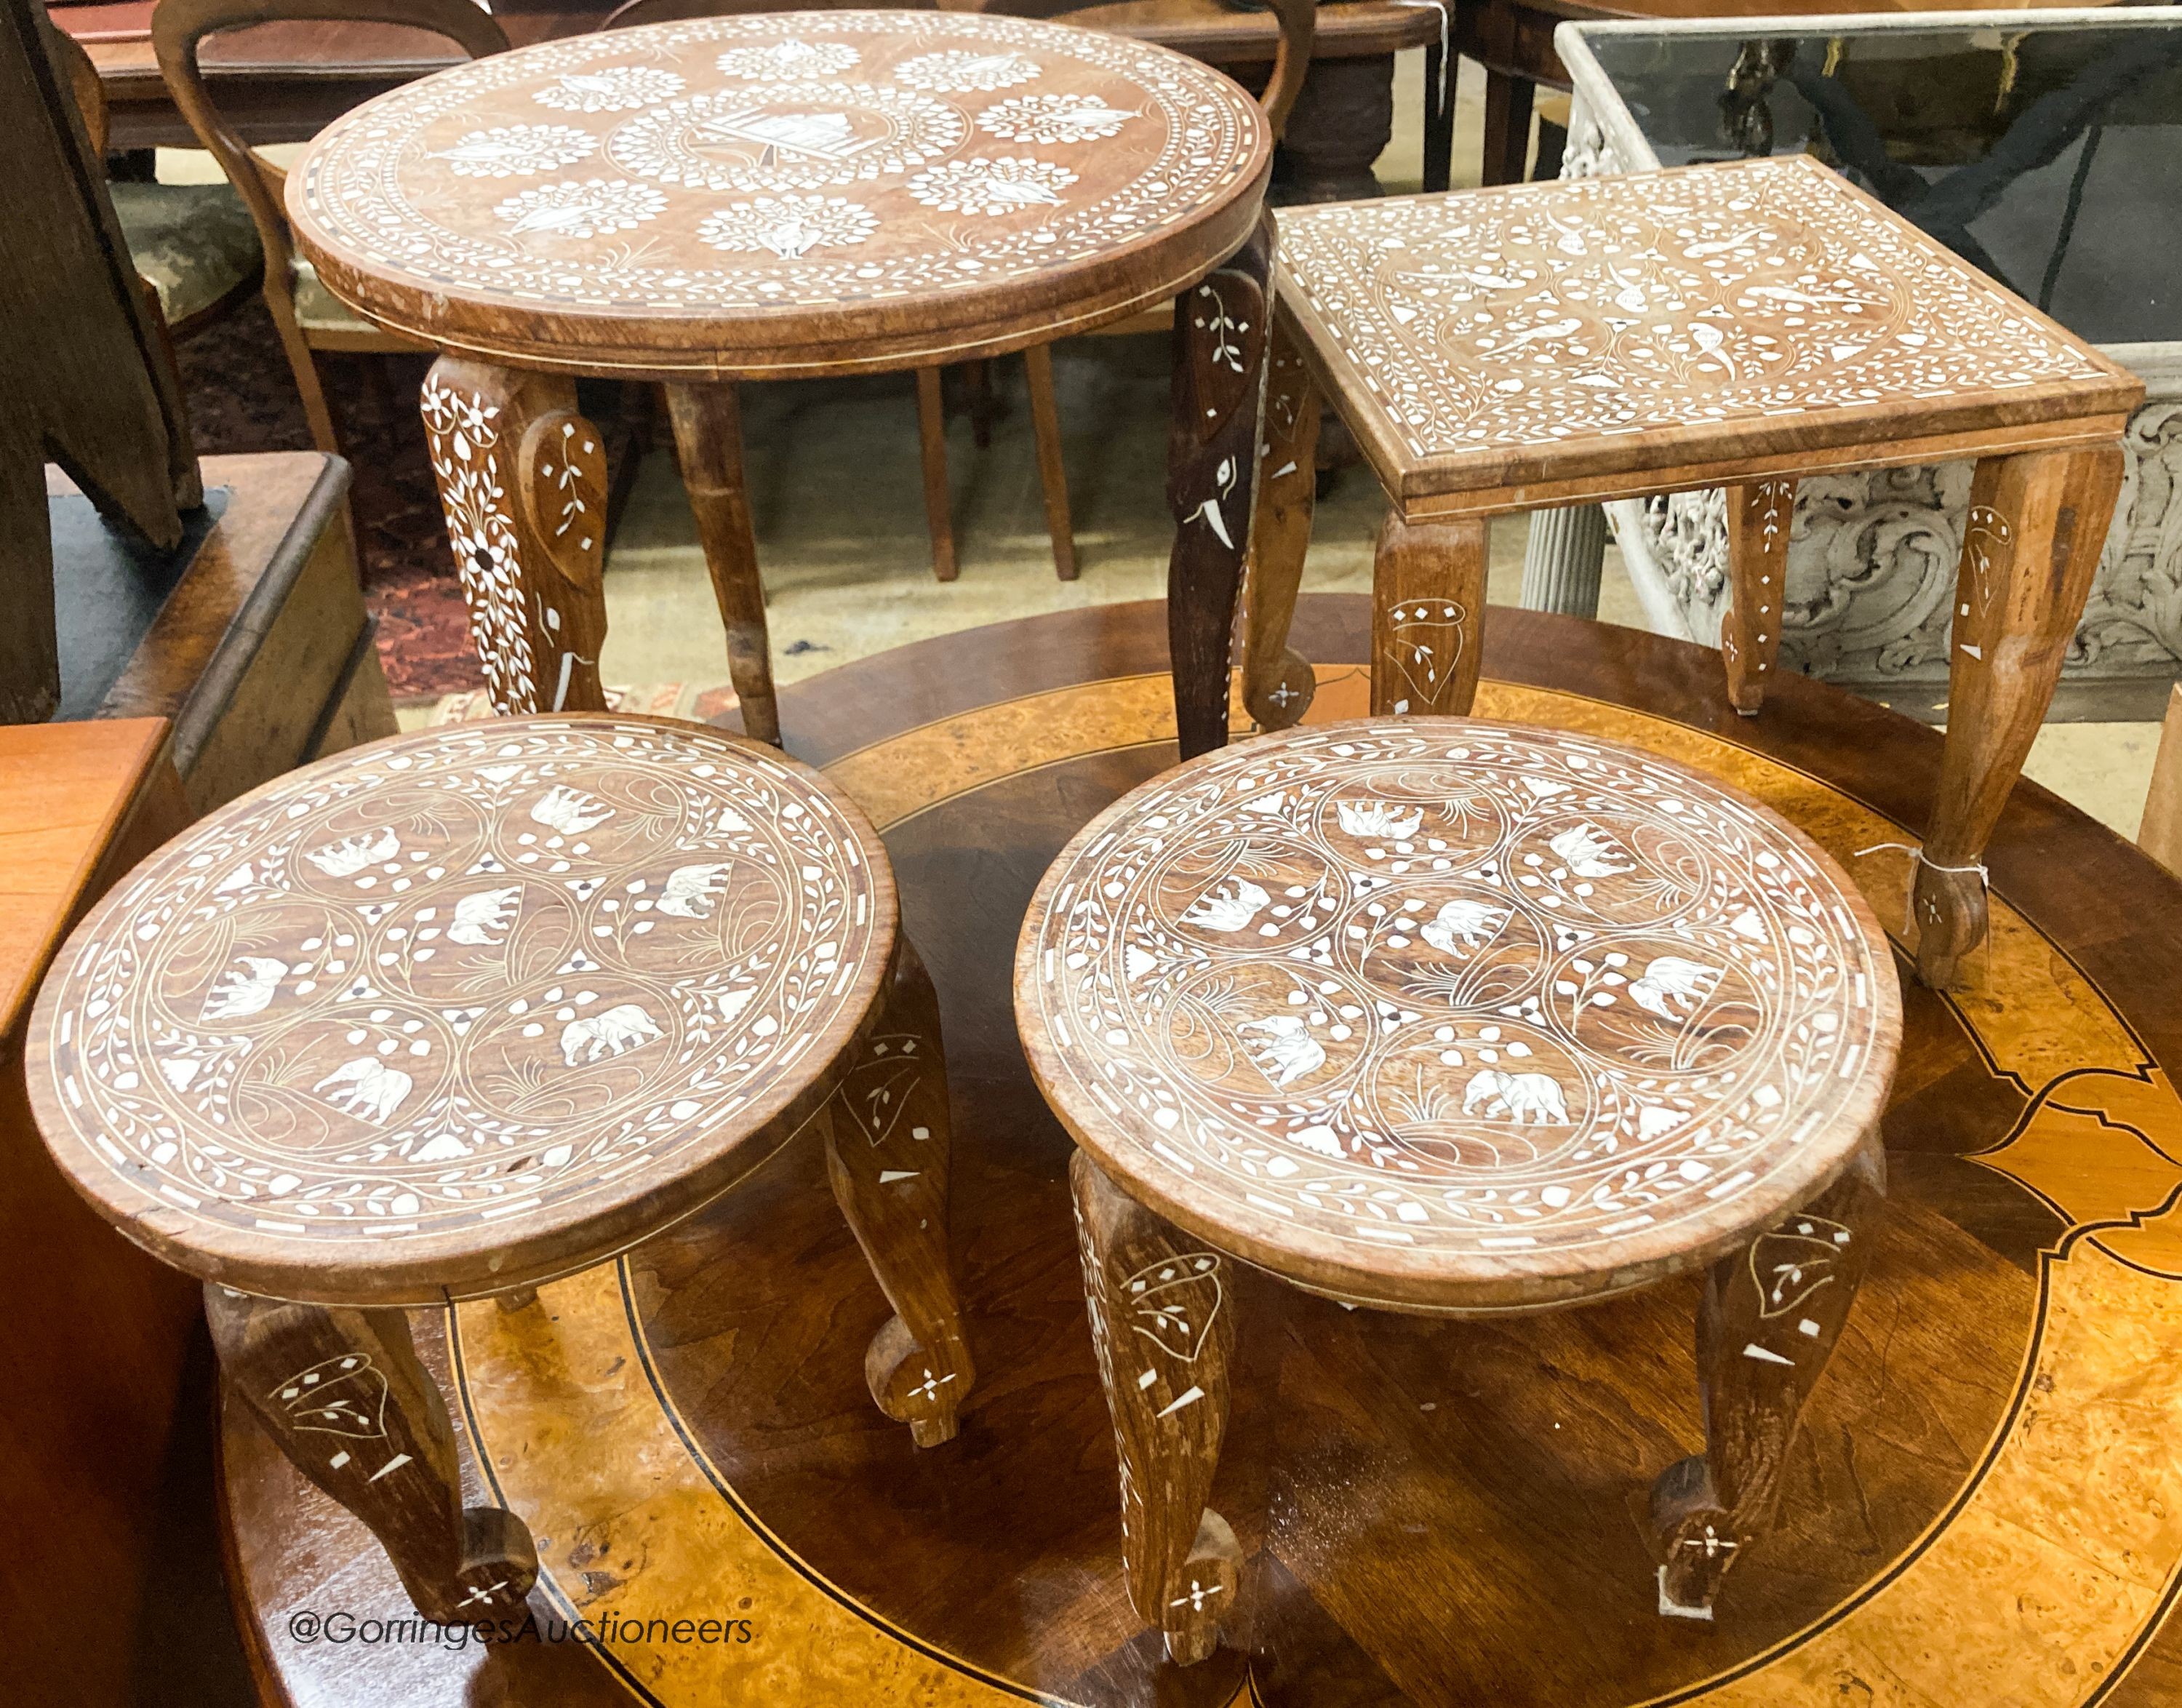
[1986, 1508]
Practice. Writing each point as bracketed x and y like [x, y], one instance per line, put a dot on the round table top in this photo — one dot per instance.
[461, 1010]
[1455, 1016]
[782, 193]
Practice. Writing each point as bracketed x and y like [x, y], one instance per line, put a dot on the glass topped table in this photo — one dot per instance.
[2043, 151]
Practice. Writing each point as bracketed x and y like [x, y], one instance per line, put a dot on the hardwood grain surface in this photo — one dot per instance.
[462, 1011]
[782, 194]
[1430, 1512]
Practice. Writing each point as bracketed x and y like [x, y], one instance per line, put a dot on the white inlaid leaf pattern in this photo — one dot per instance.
[1627, 304]
[610, 89]
[585, 943]
[518, 151]
[1010, 183]
[595, 207]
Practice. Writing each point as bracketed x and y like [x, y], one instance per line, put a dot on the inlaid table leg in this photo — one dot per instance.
[523, 481]
[888, 1147]
[1278, 682]
[343, 1395]
[1427, 616]
[1218, 394]
[708, 438]
[1769, 1321]
[1164, 1332]
[2037, 522]
[1758, 519]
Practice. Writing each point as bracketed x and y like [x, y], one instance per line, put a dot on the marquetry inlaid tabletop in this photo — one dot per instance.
[1457, 1016]
[783, 192]
[461, 1009]
[1544, 332]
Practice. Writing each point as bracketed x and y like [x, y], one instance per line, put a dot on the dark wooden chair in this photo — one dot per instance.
[308, 316]
[195, 244]
[931, 406]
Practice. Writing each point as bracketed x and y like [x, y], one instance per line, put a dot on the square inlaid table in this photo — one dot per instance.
[785, 196]
[2042, 153]
[1743, 325]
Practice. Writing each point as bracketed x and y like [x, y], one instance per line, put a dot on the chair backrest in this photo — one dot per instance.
[179, 25]
[1299, 21]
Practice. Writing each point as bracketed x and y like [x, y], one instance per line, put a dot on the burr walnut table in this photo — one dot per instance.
[460, 1013]
[781, 196]
[1742, 324]
[1455, 1018]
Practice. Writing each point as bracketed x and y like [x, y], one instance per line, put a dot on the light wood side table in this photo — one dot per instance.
[782, 196]
[1455, 1018]
[457, 1013]
[1547, 345]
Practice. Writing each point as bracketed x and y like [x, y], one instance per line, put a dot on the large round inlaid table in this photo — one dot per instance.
[460, 1012]
[1456, 1018]
[781, 196]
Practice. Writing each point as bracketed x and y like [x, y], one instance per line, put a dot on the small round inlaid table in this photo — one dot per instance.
[455, 1014]
[1455, 1018]
[784, 196]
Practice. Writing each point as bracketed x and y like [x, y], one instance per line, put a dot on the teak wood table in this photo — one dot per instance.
[468, 1010]
[1455, 1018]
[780, 195]
[1744, 324]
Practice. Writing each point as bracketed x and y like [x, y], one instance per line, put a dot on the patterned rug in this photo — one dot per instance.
[243, 398]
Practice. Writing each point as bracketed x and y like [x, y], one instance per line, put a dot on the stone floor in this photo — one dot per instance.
[836, 489]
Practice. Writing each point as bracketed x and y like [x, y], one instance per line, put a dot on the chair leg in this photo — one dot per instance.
[303, 365]
[1052, 471]
[932, 437]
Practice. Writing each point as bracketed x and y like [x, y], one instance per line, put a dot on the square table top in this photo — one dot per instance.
[1550, 343]
[2043, 153]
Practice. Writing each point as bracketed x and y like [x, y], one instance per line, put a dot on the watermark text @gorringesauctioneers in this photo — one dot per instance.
[307, 1625]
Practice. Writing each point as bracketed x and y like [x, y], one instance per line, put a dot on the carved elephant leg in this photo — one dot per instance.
[1758, 519]
[708, 439]
[1278, 682]
[888, 1147]
[1769, 1320]
[343, 1396]
[1427, 616]
[1164, 1331]
[2037, 521]
[522, 479]
[1219, 395]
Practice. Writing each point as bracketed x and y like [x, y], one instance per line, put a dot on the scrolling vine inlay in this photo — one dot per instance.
[454, 983]
[1476, 993]
[774, 162]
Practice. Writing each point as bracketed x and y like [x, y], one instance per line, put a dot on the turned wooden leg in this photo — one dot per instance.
[888, 1147]
[1758, 519]
[1507, 128]
[1212, 473]
[1052, 471]
[2037, 522]
[1427, 616]
[342, 1394]
[708, 442]
[1277, 682]
[931, 449]
[1164, 1331]
[522, 479]
[1770, 1318]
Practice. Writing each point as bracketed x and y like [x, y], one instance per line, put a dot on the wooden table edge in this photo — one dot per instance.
[1515, 1286]
[437, 1269]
